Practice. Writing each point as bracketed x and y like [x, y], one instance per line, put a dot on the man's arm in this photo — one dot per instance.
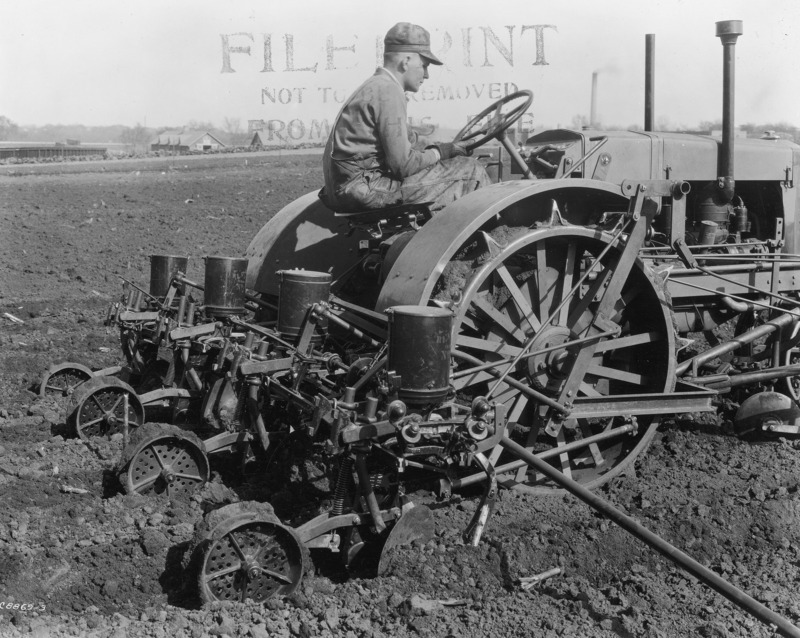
[401, 159]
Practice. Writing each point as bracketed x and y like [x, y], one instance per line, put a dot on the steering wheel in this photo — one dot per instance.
[497, 123]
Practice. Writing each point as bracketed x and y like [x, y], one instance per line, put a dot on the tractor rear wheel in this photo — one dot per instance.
[526, 301]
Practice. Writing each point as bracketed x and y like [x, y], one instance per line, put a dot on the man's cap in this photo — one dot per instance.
[405, 37]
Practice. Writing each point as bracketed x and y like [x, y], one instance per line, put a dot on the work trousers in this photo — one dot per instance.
[441, 183]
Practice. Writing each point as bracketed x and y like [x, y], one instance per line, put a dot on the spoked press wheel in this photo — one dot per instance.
[164, 459]
[519, 307]
[97, 407]
[62, 379]
[791, 385]
[247, 553]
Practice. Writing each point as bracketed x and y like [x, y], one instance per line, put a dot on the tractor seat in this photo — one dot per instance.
[392, 219]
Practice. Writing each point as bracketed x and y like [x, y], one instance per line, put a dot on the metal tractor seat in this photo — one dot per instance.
[390, 220]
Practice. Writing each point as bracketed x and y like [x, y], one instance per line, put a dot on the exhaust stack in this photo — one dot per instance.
[727, 31]
[649, 79]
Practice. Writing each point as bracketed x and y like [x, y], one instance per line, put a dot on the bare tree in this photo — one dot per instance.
[8, 129]
[236, 135]
[136, 137]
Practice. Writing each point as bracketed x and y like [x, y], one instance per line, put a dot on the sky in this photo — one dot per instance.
[165, 62]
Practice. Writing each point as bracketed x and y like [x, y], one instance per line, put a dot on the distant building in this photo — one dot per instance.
[186, 141]
[259, 140]
[737, 133]
[41, 150]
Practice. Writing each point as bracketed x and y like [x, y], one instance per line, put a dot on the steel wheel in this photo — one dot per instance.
[519, 303]
[97, 407]
[163, 459]
[62, 379]
[249, 554]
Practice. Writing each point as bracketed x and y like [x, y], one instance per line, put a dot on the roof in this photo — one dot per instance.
[180, 137]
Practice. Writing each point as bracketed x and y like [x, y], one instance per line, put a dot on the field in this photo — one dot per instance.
[95, 562]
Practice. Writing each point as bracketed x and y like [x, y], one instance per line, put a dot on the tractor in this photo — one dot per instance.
[582, 284]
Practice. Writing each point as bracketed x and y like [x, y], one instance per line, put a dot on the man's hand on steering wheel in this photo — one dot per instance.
[452, 149]
[495, 125]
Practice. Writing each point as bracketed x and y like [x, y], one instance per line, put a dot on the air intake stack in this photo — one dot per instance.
[728, 32]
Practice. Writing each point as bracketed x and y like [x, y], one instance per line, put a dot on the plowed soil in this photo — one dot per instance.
[80, 558]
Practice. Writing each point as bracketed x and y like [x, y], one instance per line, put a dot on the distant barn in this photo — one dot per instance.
[186, 141]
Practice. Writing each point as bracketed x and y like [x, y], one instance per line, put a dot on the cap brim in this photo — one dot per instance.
[432, 58]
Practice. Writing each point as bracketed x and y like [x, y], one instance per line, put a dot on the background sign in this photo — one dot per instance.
[284, 69]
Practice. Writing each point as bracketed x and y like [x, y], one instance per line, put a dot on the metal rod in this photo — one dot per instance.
[369, 494]
[749, 287]
[547, 454]
[322, 310]
[583, 159]
[125, 425]
[735, 342]
[759, 376]
[535, 353]
[686, 562]
[536, 396]
[755, 302]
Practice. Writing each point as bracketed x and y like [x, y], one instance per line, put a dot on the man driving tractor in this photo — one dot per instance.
[369, 162]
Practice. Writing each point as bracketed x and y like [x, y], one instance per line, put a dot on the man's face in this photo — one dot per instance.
[416, 72]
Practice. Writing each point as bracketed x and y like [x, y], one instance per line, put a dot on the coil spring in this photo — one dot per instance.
[344, 483]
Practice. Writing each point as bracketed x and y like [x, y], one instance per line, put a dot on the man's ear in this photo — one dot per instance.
[403, 64]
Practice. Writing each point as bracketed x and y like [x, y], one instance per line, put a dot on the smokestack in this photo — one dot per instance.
[727, 31]
[649, 78]
[593, 108]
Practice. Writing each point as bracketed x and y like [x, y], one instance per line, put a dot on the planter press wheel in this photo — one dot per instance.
[247, 553]
[791, 385]
[164, 459]
[97, 407]
[524, 294]
[62, 379]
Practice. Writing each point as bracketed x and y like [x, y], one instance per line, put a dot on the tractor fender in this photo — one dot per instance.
[415, 272]
[304, 234]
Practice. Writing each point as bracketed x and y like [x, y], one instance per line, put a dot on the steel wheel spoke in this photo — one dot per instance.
[497, 347]
[563, 457]
[236, 547]
[99, 419]
[149, 480]
[616, 375]
[159, 460]
[541, 279]
[519, 298]
[97, 403]
[586, 431]
[583, 305]
[566, 282]
[116, 403]
[588, 390]
[223, 572]
[627, 342]
[191, 477]
[502, 321]
[517, 409]
[275, 575]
